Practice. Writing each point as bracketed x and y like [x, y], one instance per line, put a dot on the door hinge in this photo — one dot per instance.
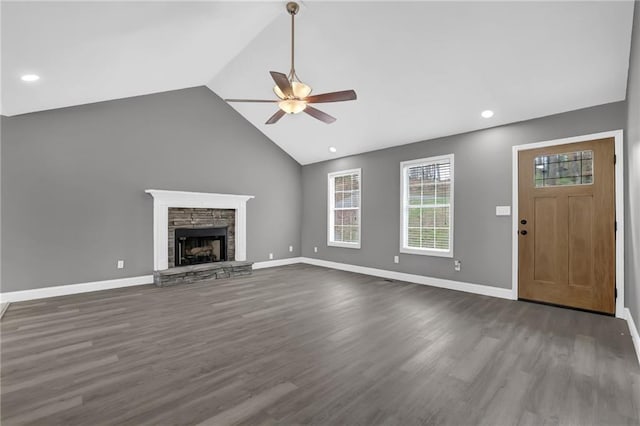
[615, 226]
[615, 159]
[616, 293]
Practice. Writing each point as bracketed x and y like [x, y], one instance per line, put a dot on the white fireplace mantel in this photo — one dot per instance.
[162, 200]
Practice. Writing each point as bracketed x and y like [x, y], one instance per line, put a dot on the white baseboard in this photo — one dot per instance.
[503, 293]
[635, 337]
[41, 293]
[63, 290]
[278, 262]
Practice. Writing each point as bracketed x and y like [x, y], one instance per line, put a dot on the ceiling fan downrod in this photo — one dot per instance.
[293, 8]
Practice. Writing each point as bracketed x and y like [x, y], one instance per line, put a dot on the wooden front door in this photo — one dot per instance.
[566, 249]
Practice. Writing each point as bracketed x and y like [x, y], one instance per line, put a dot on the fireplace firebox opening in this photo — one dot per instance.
[200, 245]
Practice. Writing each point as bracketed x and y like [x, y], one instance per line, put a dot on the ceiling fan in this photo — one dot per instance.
[293, 95]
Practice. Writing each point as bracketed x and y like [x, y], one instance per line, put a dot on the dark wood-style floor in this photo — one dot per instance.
[307, 345]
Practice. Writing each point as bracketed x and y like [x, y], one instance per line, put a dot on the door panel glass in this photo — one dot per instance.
[571, 168]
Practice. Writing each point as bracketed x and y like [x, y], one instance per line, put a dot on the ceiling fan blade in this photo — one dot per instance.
[275, 117]
[344, 95]
[282, 82]
[250, 100]
[316, 113]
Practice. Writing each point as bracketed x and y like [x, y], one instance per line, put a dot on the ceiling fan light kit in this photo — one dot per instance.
[292, 106]
[294, 95]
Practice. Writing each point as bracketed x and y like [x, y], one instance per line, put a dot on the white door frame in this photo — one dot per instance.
[619, 176]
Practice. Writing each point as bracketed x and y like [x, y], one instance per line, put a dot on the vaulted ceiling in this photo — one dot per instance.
[421, 69]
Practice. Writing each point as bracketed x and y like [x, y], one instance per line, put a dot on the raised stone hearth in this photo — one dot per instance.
[202, 272]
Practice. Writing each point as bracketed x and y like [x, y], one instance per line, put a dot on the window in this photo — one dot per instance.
[571, 168]
[427, 206]
[344, 209]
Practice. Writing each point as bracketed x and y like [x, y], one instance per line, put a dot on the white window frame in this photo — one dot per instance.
[331, 207]
[404, 207]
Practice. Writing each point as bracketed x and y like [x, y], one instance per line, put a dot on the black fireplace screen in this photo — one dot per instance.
[200, 245]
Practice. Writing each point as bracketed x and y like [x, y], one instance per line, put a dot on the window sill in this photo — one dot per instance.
[343, 245]
[426, 252]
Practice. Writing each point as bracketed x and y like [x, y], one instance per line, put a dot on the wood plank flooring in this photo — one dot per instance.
[307, 345]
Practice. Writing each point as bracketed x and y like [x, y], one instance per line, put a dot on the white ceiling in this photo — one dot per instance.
[421, 69]
[90, 51]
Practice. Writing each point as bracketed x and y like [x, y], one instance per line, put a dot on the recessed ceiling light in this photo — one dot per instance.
[487, 113]
[332, 149]
[30, 78]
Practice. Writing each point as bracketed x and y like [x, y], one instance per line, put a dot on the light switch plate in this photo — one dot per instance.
[503, 210]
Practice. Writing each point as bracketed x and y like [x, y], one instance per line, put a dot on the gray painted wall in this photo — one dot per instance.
[632, 157]
[73, 183]
[483, 177]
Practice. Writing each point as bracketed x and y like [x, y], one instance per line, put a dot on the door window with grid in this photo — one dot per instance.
[427, 206]
[345, 191]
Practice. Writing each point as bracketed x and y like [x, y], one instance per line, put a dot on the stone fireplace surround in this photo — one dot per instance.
[194, 218]
[163, 201]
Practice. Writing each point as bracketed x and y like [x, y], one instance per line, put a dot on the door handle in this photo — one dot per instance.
[523, 221]
[523, 232]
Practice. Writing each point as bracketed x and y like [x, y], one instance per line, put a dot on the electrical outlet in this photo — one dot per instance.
[396, 259]
[291, 249]
[315, 249]
[270, 256]
[120, 264]
[457, 265]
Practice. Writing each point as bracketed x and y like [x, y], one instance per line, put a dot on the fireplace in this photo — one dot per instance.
[178, 209]
[200, 245]
[214, 228]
